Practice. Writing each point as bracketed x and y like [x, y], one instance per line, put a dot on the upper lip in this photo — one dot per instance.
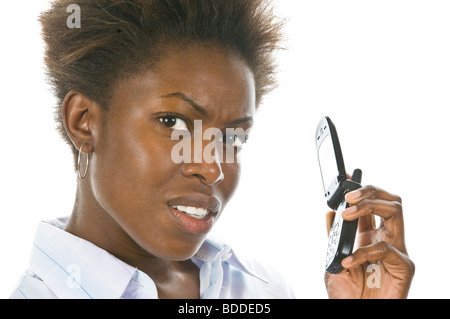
[210, 203]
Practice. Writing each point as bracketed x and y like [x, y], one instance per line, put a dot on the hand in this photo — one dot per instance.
[380, 266]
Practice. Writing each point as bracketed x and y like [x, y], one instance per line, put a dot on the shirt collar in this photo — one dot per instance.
[75, 268]
[214, 250]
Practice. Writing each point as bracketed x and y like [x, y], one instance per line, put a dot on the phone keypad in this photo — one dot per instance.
[333, 241]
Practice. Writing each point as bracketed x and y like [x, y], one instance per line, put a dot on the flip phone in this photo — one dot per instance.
[336, 184]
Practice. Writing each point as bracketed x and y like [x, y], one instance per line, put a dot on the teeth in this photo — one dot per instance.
[195, 212]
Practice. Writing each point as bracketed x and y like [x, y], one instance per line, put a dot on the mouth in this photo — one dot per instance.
[195, 212]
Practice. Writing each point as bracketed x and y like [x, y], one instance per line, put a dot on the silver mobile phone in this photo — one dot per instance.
[336, 184]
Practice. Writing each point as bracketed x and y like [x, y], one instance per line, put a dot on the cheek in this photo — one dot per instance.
[129, 172]
[129, 176]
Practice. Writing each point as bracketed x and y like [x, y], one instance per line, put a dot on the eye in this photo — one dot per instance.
[174, 122]
[234, 140]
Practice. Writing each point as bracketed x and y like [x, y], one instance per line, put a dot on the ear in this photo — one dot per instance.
[82, 119]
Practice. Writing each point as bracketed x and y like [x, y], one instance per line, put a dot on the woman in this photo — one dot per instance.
[131, 78]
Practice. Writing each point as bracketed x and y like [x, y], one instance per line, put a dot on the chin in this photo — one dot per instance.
[175, 250]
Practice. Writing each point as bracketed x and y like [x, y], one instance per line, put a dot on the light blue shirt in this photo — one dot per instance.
[68, 267]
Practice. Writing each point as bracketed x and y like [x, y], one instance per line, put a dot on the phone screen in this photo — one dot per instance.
[327, 162]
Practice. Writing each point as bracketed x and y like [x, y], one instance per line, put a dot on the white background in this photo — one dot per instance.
[379, 69]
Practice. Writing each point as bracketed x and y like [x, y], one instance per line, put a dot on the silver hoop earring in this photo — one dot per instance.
[82, 176]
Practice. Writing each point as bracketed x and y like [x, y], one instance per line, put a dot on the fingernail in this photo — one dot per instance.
[353, 195]
[350, 211]
[348, 260]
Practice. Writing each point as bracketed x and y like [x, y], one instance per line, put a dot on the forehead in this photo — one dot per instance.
[214, 78]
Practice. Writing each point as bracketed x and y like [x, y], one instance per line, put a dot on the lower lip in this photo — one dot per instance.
[191, 224]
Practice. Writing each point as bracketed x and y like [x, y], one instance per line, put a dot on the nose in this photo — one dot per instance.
[209, 172]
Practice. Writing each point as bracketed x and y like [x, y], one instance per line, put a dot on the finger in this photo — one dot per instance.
[397, 264]
[370, 192]
[366, 223]
[329, 220]
[383, 208]
[391, 214]
[380, 251]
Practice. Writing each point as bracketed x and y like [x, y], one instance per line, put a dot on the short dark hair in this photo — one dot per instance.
[118, 38]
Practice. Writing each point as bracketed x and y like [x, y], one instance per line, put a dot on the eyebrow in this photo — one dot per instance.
[243, 120]
[187, 99]
[201, 110]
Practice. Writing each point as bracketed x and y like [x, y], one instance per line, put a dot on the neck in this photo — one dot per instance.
[93, 223]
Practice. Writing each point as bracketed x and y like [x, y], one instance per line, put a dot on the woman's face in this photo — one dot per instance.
[151, 198]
